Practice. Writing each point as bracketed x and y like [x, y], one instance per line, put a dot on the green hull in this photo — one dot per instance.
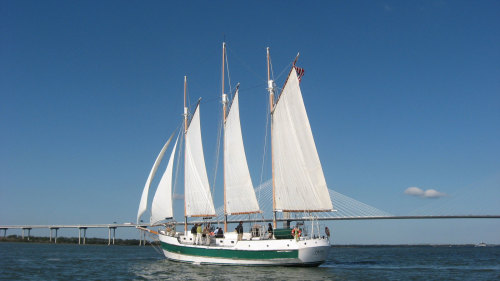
[230, 254]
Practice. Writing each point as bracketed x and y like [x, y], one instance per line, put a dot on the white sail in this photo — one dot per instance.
[161, 208]
[299, 180]
[143, 205]
[240, 195]
[196, 188]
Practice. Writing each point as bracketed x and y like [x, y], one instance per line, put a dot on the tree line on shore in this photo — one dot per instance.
[70, 240]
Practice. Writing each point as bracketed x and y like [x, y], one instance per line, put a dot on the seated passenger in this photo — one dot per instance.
[219, 233]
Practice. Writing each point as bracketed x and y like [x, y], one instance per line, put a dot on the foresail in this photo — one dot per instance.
[299, 180]
[240, 195]
[196, 188]
[161, 208]
[143, 205]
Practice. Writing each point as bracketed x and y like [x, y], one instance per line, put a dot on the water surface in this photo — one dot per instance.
[26, 261]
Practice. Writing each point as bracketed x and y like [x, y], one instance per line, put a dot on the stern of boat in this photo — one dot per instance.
[314, 251]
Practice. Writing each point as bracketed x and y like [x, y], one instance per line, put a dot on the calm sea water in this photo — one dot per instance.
[19, 261]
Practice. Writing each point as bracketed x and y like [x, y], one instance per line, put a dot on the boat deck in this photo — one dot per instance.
[231, 241]
[216, 242]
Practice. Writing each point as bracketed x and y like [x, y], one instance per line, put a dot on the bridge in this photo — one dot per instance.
[346, 209]
[53, 229]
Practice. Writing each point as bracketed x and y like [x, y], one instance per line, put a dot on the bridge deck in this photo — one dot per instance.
[256, 220]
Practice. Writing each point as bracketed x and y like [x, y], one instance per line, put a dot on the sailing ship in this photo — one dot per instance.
[299, 186]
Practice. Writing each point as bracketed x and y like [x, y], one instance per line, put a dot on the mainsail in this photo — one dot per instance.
[299, 180]
[161, 208]
[198, 198]
[143, 205]
[240, 195]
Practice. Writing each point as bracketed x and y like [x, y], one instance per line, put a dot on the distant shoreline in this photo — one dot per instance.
[69, 240]
[135, 242]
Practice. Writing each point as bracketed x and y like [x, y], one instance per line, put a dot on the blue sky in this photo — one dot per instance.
[399, 94]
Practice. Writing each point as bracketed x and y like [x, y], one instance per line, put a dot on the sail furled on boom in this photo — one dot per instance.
[240, 194]
[299, 180]
[198, 198]
[143, 205]
[161, 208]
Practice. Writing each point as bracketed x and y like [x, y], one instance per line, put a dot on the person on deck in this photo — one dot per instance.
[296, 232]
[198, 234]
[193, 232]
[206, 234]
[270, 230]
[219, 233]
[239, 230]
[327, 232]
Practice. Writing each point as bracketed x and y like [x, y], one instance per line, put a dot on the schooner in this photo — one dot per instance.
[297, 176]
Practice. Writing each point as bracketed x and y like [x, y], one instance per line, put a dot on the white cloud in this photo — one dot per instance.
[429, 193]
[432, 193]
[415, 191]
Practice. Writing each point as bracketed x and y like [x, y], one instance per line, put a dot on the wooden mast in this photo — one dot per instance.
[185, 132]
[270, 88]
[224, 103]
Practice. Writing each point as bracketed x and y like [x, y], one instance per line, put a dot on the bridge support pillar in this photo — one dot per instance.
[4, 233]
[80, 234]
[29, 231]
[109, 234]
[84, 235]
[141, 238]
[22, 236]
[55, 237]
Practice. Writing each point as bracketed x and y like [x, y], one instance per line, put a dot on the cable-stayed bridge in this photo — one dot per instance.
[346, 208]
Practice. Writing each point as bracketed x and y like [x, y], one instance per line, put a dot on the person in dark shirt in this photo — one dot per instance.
[270, 230]
[219, 233]
[193, 232]
[239, 230]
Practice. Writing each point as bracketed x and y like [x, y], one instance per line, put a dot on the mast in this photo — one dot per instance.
[185, 132]
[270, 88]
[224, 103]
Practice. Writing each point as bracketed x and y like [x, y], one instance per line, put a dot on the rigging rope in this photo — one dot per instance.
[264, 153]
[178, 159]
[155, 238]
[284, 69]
[217, 149]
